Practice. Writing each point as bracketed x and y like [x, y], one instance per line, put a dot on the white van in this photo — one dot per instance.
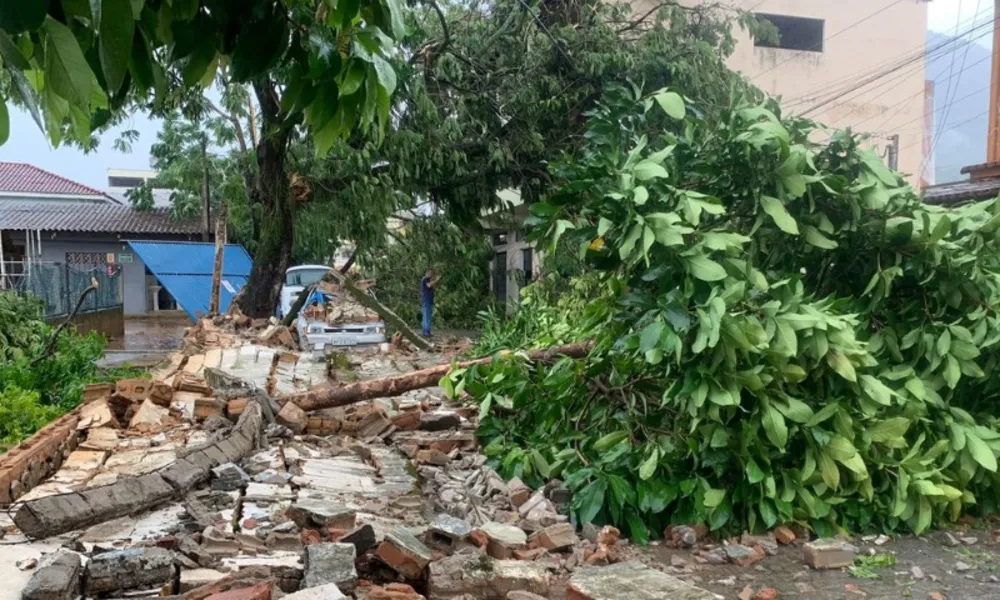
[316, 334]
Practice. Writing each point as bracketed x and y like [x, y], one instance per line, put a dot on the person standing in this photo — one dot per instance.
[428, 285]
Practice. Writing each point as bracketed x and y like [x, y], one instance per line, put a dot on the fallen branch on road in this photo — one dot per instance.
[400, 384]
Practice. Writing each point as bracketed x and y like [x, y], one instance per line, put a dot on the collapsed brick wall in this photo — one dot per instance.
[52, 515]
[38, 457]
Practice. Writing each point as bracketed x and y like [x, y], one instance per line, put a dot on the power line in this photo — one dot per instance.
[896, 130]
[944, 119]
[955, 126]
[820, 44]
[905, 59]
[902, 104]
[869, 81]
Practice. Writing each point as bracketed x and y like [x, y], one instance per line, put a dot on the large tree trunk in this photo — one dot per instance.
[400, 384]
[272, 190]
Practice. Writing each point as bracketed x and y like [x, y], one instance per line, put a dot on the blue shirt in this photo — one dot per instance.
[426, 291]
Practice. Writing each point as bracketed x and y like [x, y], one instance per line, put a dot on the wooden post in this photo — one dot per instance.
[993, 141]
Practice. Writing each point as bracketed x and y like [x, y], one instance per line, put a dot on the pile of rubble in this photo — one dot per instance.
[206, 483]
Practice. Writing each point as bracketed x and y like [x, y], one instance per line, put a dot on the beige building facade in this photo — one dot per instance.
[854, 64]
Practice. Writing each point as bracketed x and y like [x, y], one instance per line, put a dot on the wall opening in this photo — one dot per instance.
[794, 33]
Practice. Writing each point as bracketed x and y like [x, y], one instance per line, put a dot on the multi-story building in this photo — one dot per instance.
[857, 64]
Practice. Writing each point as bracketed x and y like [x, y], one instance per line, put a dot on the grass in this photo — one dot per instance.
[864, 566]
[125, 371]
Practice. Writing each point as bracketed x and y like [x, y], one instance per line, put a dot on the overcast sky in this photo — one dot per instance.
[943, 15]
[28, 144]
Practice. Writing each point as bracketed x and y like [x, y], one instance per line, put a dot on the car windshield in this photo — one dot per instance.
[304, 277]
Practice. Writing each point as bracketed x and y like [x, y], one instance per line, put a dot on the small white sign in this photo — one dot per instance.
[229, 287]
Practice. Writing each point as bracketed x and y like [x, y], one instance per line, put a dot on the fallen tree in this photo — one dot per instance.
[400, 384]
[784, 333]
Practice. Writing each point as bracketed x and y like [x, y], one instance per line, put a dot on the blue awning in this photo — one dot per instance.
[185, 270]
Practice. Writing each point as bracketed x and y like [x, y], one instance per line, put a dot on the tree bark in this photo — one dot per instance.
[220, 246]
[272, 191]
[400, 384]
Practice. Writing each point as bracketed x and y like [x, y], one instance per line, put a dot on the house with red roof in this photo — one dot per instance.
[52, 227]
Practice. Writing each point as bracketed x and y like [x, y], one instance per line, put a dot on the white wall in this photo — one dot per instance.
[515, 273]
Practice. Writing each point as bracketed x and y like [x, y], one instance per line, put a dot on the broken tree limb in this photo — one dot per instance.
[400, 384]
[50, 346]
[383, 311]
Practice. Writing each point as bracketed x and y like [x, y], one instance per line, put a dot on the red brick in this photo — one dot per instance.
[260, 591]
[784, 535]
[309, 537]
[767, 593]
[479, 538]
[529, 554]
[393, 591]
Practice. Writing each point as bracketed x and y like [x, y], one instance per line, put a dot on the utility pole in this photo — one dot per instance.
[206, 218]
[993, 141]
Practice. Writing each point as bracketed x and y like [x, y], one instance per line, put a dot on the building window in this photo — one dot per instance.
[527, 263]
[500, 238]
[500, 276]
[794, 33]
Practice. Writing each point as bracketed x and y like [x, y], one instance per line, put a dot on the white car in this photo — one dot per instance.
[316, 334]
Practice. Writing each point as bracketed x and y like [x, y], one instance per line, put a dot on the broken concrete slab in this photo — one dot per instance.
[313, 513]
[829, 553]
[57, 579]
[331, 563]
[150, 417]
[632, 580]
[472, 575]
[129, 569]
[504, 540]
[404, 553]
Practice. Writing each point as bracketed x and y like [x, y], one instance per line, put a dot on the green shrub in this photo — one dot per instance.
[783, 332]
[22, 413]
[39, 391]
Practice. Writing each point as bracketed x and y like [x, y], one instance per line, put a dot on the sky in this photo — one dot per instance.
[28, 144]
[943, 15]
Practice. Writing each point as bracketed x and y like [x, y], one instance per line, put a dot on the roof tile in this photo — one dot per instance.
[90, 217]
[22, 178]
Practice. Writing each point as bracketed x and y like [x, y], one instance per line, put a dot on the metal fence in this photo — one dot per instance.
[59, 285]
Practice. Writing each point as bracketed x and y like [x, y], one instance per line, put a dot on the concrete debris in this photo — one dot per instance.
[476, 576]
[228, 477]
[129, 569]
[404, 553]
[322, 514]
[362, 538]
[197, 577]
[829, 553]
[331, 563]
[447, 532]
[503, 540]
[57, 579]
[634, 581]
[26, 564]
[556, 538]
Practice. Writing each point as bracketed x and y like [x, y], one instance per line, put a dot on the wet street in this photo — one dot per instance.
[147, 339]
